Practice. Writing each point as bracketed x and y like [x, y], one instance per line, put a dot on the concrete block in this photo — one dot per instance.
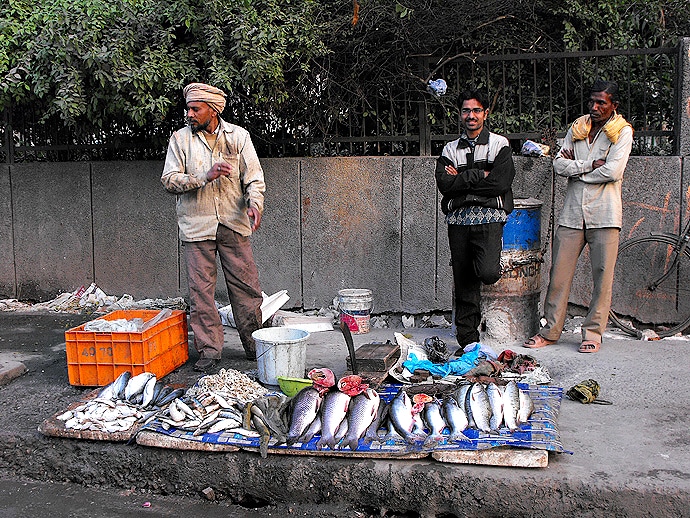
[8, 285]
[419, 246]
[444, 272]
[351, 212]
[52, 228]
[277, 244]
[135, 238]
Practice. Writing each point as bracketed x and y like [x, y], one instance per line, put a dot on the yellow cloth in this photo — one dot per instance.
[200, 92]
[612, 129]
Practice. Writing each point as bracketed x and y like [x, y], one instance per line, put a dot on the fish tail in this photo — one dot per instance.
[458, 437]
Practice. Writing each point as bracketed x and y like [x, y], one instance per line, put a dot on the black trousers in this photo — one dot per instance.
[475, 254]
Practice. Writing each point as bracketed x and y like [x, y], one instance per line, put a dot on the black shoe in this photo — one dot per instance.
[205, 364]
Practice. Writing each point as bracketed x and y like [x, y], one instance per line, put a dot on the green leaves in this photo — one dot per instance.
[90, 60]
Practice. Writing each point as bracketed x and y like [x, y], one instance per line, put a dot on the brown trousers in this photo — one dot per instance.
[568, 244]
[242, 280]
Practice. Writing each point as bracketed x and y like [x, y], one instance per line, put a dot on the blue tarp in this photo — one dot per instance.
[540, 432]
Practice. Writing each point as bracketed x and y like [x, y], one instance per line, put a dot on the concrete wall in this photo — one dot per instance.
[330, 223]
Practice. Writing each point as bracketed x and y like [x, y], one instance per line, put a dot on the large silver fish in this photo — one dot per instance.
[462, 396]
[480, 407]
[526, 407]
[511, 405]
[148, 391]
[363, 410]
[304, 408]
[372, 432]
[120, 384]
[136, 384]
[435, 422]
[333, 411]
[456, 419]
[401, 418]
[495, 394]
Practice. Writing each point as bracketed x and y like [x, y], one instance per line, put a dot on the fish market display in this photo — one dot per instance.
[215, 404]
[337, 414]
[121, 404]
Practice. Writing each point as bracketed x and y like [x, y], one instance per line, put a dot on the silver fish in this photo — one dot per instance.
[120, 384]
[401, 418]
[313, 429]
[363, 411]
[462, 397]
[456, 419]
[136, 384]
[149, 390]
[436, 423]
[333, 411]
[107, 392]
[526, 407]
[495, 394]
[304, 408]
[480, 407]
[511, 405]
[371, 434]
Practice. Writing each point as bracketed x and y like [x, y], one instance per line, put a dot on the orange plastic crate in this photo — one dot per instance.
[96, 359]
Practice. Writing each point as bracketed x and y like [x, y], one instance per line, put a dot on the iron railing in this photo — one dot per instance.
[534, 96]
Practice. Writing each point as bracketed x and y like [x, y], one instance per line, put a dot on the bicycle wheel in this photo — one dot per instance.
[651, 287]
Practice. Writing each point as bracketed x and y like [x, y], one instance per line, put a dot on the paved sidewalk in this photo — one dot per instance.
[630, 458]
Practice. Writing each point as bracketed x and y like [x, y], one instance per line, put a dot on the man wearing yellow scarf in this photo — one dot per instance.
[593, 157]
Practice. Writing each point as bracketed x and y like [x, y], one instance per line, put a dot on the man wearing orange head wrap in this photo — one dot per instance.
[212, 167]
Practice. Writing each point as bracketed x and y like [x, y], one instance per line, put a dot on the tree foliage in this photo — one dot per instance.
[291, 66]
[92, 60]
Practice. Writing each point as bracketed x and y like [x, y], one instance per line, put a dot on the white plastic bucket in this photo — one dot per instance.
[280, 351]
[355, 309]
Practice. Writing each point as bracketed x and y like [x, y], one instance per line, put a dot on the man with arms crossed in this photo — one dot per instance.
[593, 157]
[474, 174]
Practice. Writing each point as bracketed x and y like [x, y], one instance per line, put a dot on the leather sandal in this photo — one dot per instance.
[538, 341]
[589, 346]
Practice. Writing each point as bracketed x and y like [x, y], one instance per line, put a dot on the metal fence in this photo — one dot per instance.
[534, 96]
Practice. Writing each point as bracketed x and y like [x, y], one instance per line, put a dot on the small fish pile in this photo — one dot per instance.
[486, 408]
[215, 404]
[231, 382]
[121, 404]
[204, 413]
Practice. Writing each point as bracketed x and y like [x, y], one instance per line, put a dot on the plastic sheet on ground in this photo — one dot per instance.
[540, 433]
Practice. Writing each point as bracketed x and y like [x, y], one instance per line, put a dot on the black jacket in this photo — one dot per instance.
[469, 187]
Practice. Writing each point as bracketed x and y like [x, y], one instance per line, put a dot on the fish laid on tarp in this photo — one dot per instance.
[363, 410]
[511, 405]
[456, 419]
[495, 394]
[435, 422]
[526, 407]
[480, 407]
[401, 418]
[304, 409]
[333, 412]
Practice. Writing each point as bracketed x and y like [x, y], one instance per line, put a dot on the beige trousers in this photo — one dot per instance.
[568, 244]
